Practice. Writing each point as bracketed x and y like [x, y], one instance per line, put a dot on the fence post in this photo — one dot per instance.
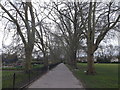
[13, 81]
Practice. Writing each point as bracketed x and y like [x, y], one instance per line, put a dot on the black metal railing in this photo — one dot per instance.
[21, 79]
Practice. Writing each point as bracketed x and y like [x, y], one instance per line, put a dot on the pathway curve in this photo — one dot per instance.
[59, 77]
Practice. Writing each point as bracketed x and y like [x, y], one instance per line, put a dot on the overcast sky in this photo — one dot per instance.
[8, 40]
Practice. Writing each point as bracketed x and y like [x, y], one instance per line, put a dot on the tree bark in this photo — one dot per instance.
[73, 60]
[28, 59]
[45, 60]
[90, 62]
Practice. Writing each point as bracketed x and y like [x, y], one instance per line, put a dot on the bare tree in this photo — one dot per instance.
[97, 23]
[41, 42]
[68, 23]
[21, 14]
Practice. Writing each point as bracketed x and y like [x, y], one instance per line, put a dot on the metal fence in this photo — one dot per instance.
[21, 79]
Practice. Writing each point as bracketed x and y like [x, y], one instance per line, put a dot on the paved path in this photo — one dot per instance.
[59, 77]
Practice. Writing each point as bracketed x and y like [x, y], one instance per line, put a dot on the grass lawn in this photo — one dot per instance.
[38, 66]
[22, 68]
[7, 76]
[106, 77]
[12, 68]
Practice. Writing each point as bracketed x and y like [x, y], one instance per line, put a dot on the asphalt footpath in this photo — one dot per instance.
[59, 77]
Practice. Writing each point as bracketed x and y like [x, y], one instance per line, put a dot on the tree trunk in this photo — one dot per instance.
[45, 60]
[28, 58]
[90, 62]
[73, 60]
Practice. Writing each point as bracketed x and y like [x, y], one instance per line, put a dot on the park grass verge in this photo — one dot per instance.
[106, 77]
[7, 76]
[22, 68]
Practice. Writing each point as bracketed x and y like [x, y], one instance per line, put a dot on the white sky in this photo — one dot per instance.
[113, 41]
[71, 0]
[1, 35]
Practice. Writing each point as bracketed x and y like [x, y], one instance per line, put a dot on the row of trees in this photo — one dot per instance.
[60, 27]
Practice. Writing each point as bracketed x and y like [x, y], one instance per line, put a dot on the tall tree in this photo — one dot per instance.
[21, 14]
[66, 17]
[41, 42]
[97, 23]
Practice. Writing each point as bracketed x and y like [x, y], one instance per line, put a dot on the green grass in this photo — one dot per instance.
[22, 68]
[7, 79]
[7, 76]
[38, 66]
[106, 77]
[13, 68]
